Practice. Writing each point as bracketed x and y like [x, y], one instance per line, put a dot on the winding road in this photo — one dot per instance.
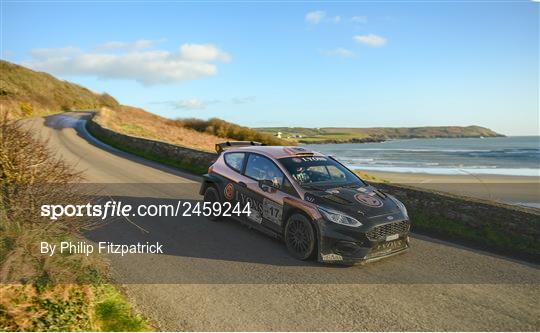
[224, 276]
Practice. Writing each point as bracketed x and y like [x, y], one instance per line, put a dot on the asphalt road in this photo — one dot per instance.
[224, 276]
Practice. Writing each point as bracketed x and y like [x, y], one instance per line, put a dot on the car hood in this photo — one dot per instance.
[362, 202]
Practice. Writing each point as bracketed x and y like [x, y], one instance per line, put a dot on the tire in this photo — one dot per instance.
[300, 237]
[212, 195]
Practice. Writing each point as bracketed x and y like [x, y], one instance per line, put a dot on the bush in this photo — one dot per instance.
[107, 100]
[224, 129]
[32, 176]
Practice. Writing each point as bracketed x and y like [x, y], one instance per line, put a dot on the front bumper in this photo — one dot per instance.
[347, 245]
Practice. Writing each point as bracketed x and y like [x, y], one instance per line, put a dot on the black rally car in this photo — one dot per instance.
[311, 201]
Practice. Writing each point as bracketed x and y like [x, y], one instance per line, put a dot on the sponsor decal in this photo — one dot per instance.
[368, 200]
[313, 159]
[332, 191]
[255, 216]
[255, 205]
[272, 211]
[332, 257]
[309, 198]
[228, 191]
[392, 237]
[389, 246]
[297, 160]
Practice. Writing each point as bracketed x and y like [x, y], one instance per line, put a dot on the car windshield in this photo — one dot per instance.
[319, 172]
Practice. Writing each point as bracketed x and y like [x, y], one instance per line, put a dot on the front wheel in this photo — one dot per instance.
[211, 195]
[300, 237]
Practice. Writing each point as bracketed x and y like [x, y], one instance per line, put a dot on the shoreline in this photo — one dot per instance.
[450, 171]
[515, 190]
[370, 139]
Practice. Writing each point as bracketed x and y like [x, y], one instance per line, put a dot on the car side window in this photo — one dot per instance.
[261, 168]
[235, 161]
[287, 187]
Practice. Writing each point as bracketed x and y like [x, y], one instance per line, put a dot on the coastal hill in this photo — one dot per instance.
[24, 93]
[376, 134]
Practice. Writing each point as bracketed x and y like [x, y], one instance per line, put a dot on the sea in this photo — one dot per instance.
[509, 156]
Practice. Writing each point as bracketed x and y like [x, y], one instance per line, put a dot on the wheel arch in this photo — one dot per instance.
[289, 210]
[210, 181]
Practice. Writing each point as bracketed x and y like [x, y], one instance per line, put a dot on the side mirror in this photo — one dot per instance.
[266, 185]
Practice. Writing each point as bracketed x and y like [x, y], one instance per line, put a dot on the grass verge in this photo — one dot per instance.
[40, 292]
[66, 307]
[487, 237]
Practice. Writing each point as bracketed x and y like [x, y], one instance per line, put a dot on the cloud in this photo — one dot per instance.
[243, 100]
[203, 52]
[61, 52]
[189, 104]
[319, 16]
[140, 44]
[340, 52]
[315, 17]
[371, 40]
[359, 19]
[149, 67]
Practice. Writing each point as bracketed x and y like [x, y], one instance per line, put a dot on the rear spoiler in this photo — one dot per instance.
[221, 147]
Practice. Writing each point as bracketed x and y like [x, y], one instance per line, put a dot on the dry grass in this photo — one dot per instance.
[66, 307]
[25, 93]
[137, 122]
[369, 177]
[38, 292]
[32, 176]
[17, 301]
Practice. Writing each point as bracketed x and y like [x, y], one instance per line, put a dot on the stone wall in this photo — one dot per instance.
[505, 229]
[183, 157]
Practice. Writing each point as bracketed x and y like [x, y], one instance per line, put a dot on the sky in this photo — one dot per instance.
[310, 64]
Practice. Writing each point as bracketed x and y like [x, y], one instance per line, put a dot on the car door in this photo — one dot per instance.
[267, 201]
[233, 179]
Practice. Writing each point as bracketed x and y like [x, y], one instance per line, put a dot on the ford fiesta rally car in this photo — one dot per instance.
[311, 201]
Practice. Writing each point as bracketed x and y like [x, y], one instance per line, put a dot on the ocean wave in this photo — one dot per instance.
[427, 150]
[454, 171]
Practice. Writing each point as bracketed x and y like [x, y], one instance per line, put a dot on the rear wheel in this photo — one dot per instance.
[300, 237]
[211, 195]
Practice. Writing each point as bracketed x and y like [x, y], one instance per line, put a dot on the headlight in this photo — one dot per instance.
[401, 207]
[339, 218]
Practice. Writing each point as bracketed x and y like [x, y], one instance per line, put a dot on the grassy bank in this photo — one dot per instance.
[66, 307]
[487, 237]
[194, 168]
[25, 93]
[139, 123]
[193, 133]
[38, 292]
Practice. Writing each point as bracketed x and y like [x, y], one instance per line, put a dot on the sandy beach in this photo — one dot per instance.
[519, 190]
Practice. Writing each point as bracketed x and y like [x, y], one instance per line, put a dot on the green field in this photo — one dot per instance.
[376, 134]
